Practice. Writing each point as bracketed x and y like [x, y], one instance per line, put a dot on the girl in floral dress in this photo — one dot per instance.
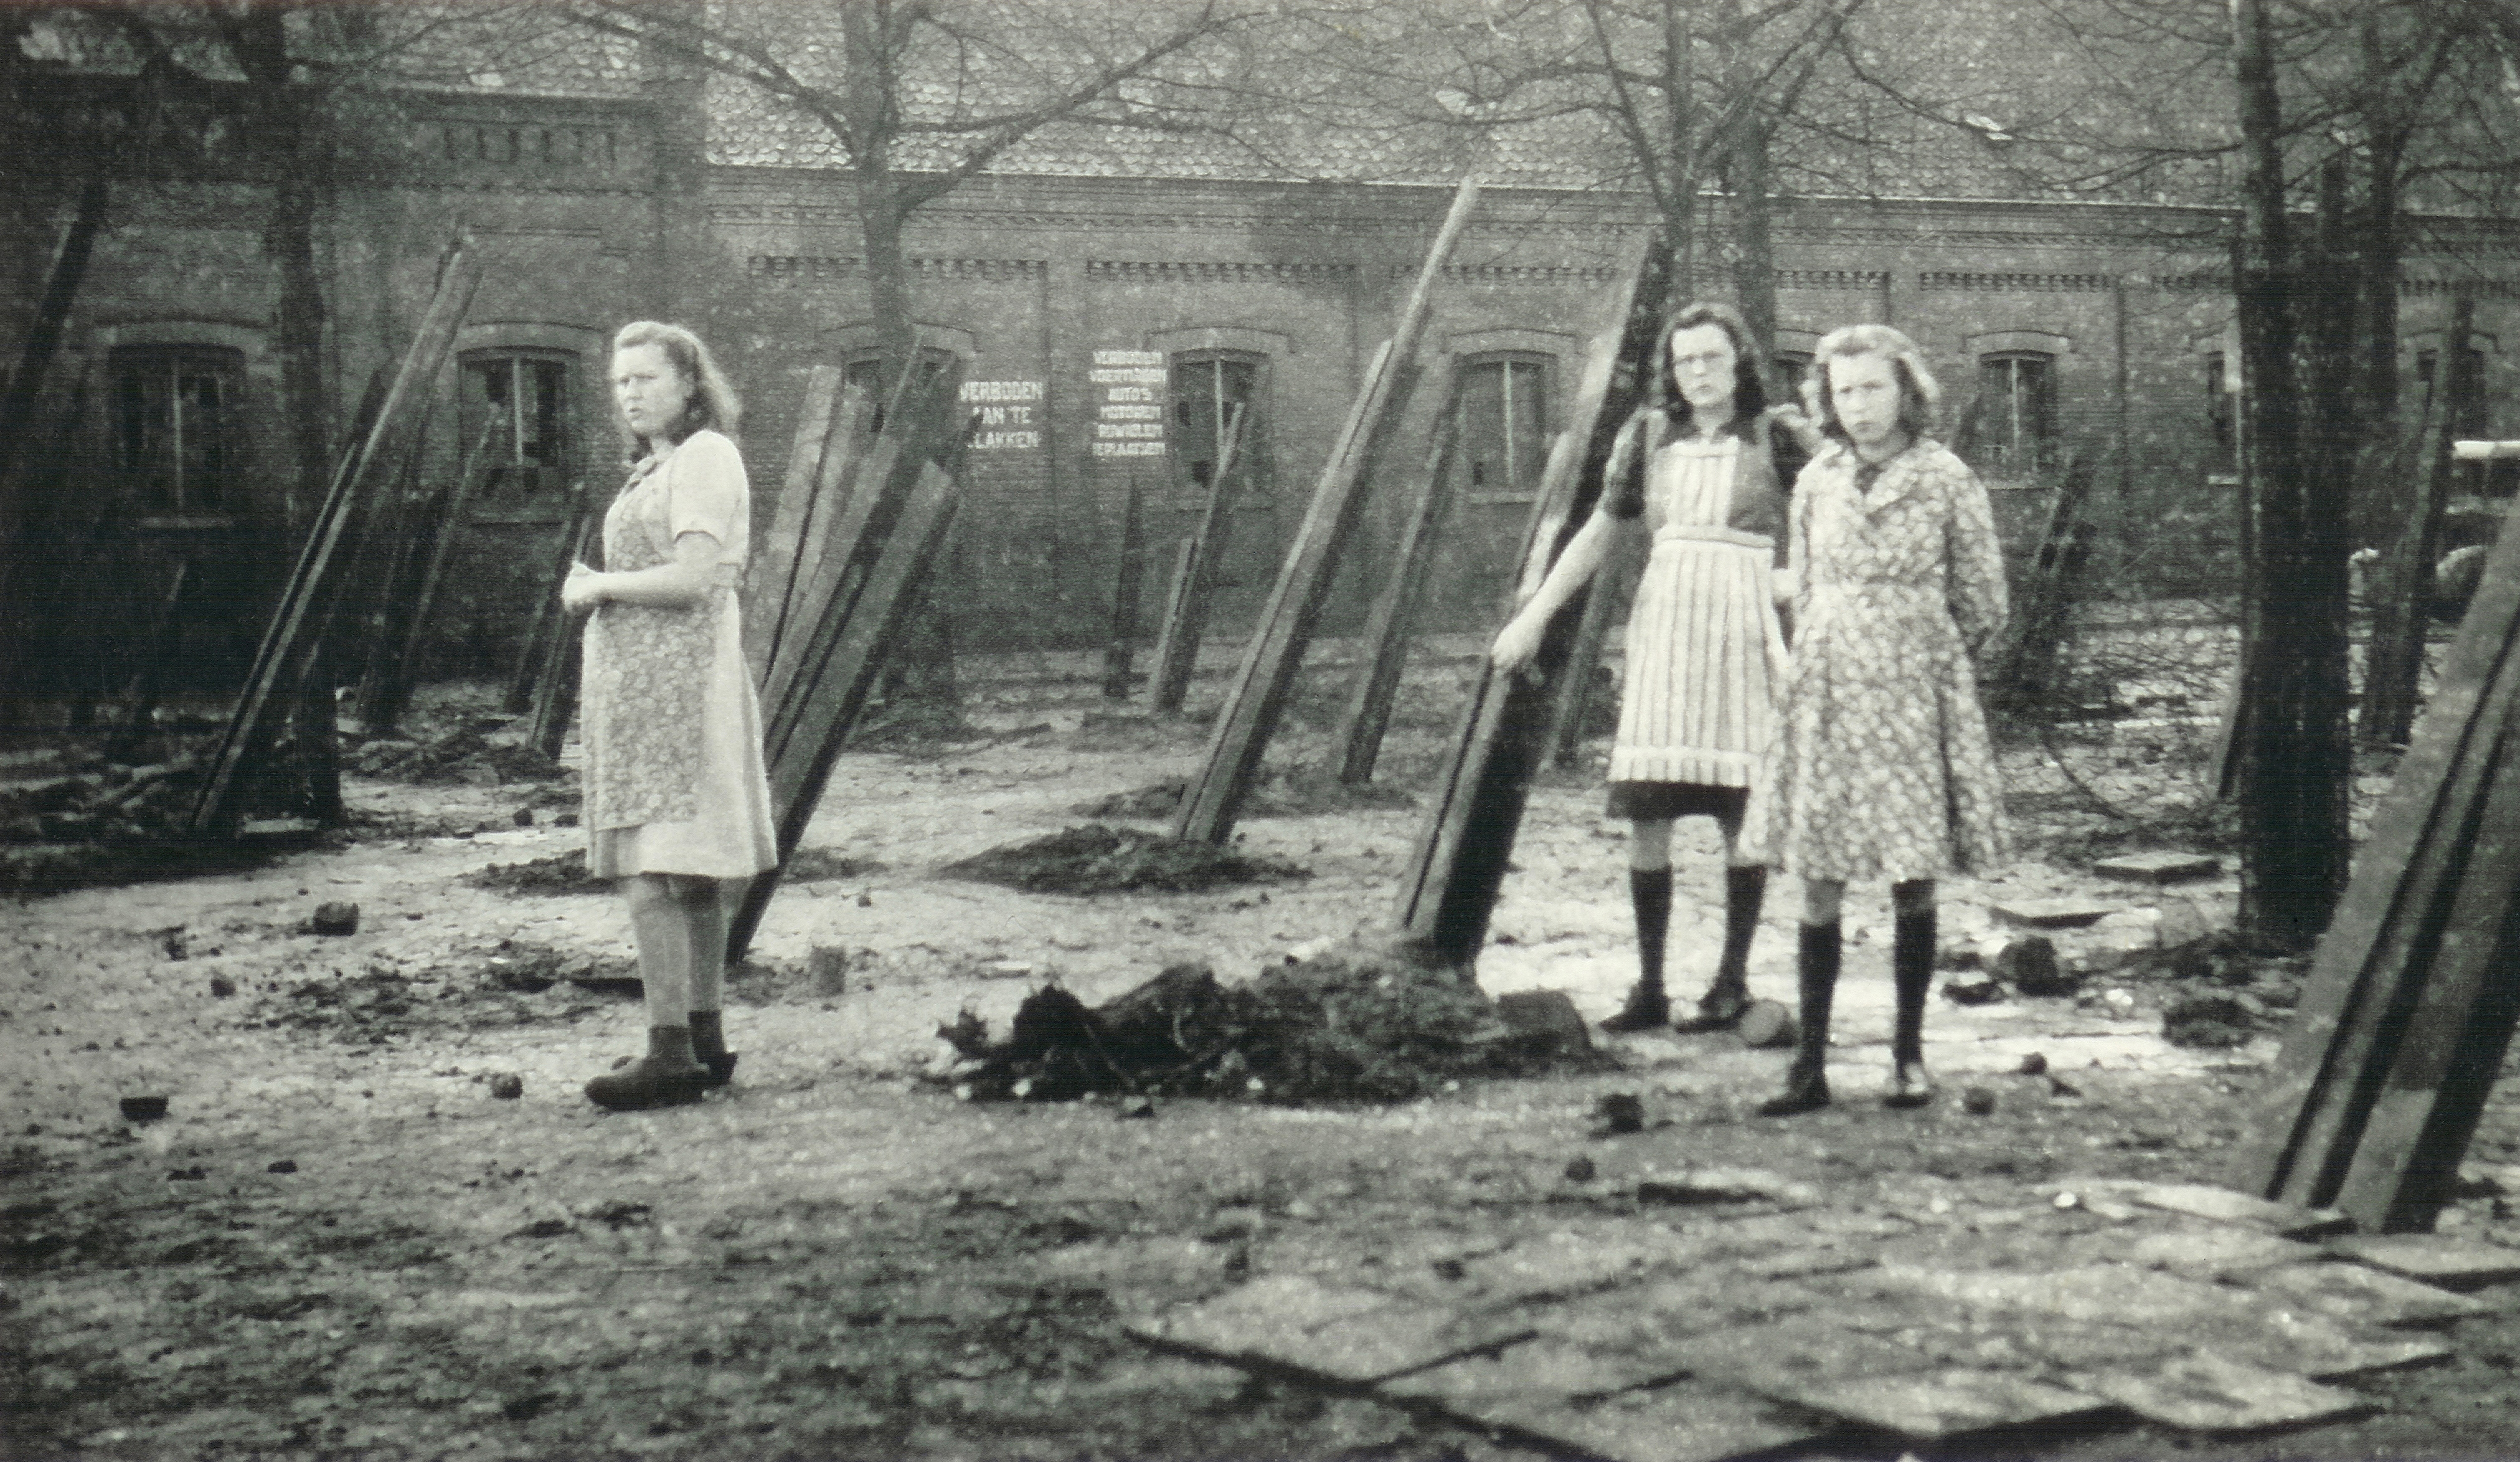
[1698, 469]
[677, 802]
[1882, 767]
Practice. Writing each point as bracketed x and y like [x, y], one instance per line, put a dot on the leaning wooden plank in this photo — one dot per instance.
[1193, 579]
[386, 688]
[306, 606]
[1121, 647]
[1394, 616]
[1277, 647]
[555, 685]
[1457, 868]
[2370, 964]
[772, 576]
[165, 638]
[892, 584]
[1570, 708]
[551, 622]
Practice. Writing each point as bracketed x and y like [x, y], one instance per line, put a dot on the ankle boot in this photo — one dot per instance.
[1806, 1079]
[1911, 970]
[1728, 996]
[1649, 889]
[708, 1046]
[666, 1077]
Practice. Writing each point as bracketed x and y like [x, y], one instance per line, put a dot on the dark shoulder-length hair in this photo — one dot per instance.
[1749, 382]
[1919, 393]
[713, 405]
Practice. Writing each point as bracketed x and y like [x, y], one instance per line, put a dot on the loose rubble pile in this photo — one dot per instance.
[1284, 795]
[566, 872]
[472, 755]
[1351, 1024]
[1097, 858]
[102, 800]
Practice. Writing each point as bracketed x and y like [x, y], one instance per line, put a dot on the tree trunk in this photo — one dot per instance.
[288, 113]
[2294, 760]
[1754, 251]
[1680, 207]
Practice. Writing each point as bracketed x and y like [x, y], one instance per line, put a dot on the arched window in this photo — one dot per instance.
[516, 409]
[177, 429]
[1212, 390]
[1503, 427]
[2014, 432]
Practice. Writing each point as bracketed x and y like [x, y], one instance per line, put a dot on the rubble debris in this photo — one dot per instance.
[283, 1166]
[1983, 991]
[559, 873]
[335, 918]
[1619, 1114]
[468, 755]
[2029, 964]
[2159, 868]
[2208, 1022]
[104, 804]
[507, 1085]
[827, 967]
[143, 1108]
[2033, 1064]
[1548, 1016]
[1097, 858]
[1353, 1023]
[1281, 792]
[1767, 1026]
[1977, 1101]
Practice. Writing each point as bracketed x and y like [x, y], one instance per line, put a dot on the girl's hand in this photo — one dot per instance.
[580, 591]
[1791, 418]
[1517, 644]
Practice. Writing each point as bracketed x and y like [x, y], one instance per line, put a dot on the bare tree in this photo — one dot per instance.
[920, 96]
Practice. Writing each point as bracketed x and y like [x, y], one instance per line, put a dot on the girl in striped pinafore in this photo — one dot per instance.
[1697, 468]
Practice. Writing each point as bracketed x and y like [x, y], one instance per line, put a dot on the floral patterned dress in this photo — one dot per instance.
[1882, 767]
[672, 726]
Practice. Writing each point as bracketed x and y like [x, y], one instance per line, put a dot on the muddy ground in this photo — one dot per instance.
[342, 1242]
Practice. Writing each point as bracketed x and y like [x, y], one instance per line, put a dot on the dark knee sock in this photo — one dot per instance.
[1817, 965]
[708, 1035]
[1911, 970]
[1745, 890]
[1649, 889]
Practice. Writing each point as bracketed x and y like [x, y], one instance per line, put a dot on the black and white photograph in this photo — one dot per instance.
[1259, 730]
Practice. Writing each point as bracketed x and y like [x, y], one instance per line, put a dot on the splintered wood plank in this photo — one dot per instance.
[2434, 1258]
[2308, 1121]
[2224, 1206]
[2203, 1393]
[2363, 1296]
[1938, 1404]
[1348, 1336]
[1456, 869]
[1275, 651]
[1685, 1421]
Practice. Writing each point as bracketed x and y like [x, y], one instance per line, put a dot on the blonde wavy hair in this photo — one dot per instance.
[713, 405]
[1919, 394]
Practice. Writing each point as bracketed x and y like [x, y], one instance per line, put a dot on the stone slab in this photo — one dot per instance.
[2454, 1263]
[1351, 1336]
[1547, 1369]
[1569, 1263]
[1671, 1309]
[1687, 1421]
[1955, 1335]
[1950, 1402]
[2052, 914]
[2224, 1206]
[2205, 1393]
[2118, 1294]
[1723, 1186]
[2362, 1296]
[2159, 868]
[1798, 1353]
[2322, 1349]
[2209, 1254]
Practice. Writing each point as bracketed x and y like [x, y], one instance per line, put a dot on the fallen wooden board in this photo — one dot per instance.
[2223, 1206]
[1276, 650]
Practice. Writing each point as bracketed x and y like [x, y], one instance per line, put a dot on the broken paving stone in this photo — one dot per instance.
[221, 987]
[1943, 1404]
[1619, 1113]
[2118, 1294]
[2224, 1206]
[143, 1108]
[2206, 1392]
[2362, 1296]
[507, 1085]
[2210, 1253]
[2030, 966]
[1351, 1336]
[2159, 868]
[188, 1175]
[1685, 1421]
[1547, 1016]
[1978, 1101]
[1984, 991]
[335, 918]
[2208, 1022]
[1558, 1264]
[1784, 1359]
[2052, 913]
[2452, 1264]
[1546, 1369]
[2280, 1338]
[285, 1166]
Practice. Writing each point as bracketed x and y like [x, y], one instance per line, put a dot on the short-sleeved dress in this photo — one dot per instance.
[672, 727]
[1704, 649]
[1883, 768]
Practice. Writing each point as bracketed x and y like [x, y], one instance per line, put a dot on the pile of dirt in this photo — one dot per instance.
[472, 755]
[513, 983]
[566, 872]
[1098, 858]
[1353, 1024]
[1283, 794]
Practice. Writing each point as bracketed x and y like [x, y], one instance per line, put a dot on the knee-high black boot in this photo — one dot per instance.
[1648, 1005]
[1911, 970]
[1806, 1079]
[1728, 996]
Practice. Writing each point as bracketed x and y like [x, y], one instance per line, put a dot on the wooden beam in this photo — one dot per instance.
[1569, 707]
[1193, 581]
[1456, 872]
[1121, 647]
[1394, 617]
[533, 660]
[2431, 898]
[1277, 647]
[304, 615]
[385, 689]
[555, 679]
